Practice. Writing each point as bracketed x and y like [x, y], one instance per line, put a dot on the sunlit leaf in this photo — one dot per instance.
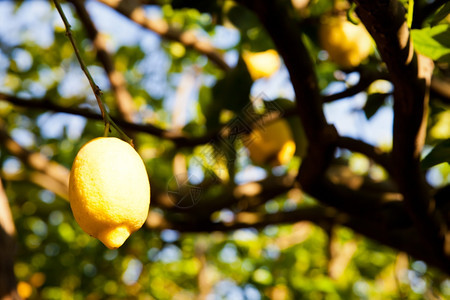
[439, 154]
[433, 41]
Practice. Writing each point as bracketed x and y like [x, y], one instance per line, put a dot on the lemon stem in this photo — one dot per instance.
[351, 15]
[106, 131]
[97, 92]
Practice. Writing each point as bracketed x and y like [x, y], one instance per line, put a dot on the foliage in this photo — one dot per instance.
[240, 237]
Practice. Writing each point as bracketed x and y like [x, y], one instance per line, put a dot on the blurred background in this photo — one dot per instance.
[177, 80]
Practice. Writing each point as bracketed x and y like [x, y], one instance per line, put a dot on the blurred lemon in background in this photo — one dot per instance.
[262, 64]
[273, 144]
[347, 44]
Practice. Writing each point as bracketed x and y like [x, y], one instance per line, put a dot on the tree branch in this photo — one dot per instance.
[48, 105]
[287, 38]
[132, 10]
[178, 138]
[7, 249]
[316, 214]
[403, 239]
[440, 87]
[375, 153]
[366, 79]
[411, 76]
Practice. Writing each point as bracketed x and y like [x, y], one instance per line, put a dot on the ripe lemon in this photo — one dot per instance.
[109, 190]
[347, 44]
[262, 64]
[272, 144]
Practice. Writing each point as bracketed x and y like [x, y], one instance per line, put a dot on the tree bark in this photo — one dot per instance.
[411, 76]
[7, 250]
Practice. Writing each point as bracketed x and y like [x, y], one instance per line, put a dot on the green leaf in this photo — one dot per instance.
[440, 14]
[319, 7]
[194, 129]
[439, 154]
[373, 103]
[210, 108]
[242, 18]
[433, 42]
[253, 35]
[233, 91]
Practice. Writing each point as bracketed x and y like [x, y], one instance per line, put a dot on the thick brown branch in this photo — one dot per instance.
[7, 249]
[316, 214]
[403, 239]
[242, 197]
[132, 10]
[440, 87]
[411, 76]
[288, 40]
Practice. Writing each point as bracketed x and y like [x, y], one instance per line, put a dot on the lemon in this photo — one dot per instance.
[262, 64]
[271, 144]
[347, 44]
[109, 190]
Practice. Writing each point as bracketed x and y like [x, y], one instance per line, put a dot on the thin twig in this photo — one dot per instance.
[123, 97]
[375, 153]
[366, 79]
[97, 92]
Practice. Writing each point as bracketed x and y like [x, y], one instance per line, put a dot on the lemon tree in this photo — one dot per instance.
[344, 196]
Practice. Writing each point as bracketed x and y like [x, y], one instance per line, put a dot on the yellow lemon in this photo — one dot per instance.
[347, 44]
[262, 64]
[272, 144]
[109, 190]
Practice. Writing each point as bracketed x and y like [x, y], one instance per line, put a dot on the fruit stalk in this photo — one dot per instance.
[97, 91]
